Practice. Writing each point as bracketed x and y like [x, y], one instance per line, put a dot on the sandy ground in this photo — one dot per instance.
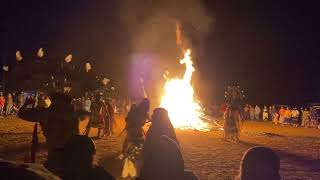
[205, 153]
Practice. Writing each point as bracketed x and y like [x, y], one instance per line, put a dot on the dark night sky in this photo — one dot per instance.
[271, 48]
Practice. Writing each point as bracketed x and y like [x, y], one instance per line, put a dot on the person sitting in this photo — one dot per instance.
[259, 163]
[165, 161]
[160, 125]
[162, 156]
[78, 163]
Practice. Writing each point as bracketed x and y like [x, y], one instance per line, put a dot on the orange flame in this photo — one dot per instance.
[179, 100]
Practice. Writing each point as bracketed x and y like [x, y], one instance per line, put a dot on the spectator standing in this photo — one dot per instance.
[257, 112]
[265, 114]
[21, 99]
[287, 116]
[2, 103]
[295, 117]
[313, 117]
[9, 104]
[251, 109]
[281, 115]
[273, 112]
[275, 118]
[305, 118]
[246, 113]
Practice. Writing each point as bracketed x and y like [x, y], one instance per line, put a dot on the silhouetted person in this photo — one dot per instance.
[78, 156]
[59, 122]
[135, 121]
[99, 116]
[259, 163]
[161, 125]
[109, 119]
[232, 123]
[9, 104]
[165, 161]
[162, 155]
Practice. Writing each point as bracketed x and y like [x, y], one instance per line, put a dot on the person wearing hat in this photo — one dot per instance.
[59, 122]
[78, 160]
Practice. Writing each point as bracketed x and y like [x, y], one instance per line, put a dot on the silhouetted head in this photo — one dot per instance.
[79, 154]
[160, 115]
[259, 163]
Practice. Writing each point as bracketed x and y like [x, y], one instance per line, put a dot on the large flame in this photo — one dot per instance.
[178, 99]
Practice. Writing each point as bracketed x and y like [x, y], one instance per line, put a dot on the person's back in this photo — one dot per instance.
[165, 161]
[78, 163]
[259, 163]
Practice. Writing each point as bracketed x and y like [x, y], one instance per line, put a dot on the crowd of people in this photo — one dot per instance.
[71, 154]
[10, 103]
[284, 115]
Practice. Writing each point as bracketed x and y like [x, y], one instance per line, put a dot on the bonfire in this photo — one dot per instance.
[178, 99]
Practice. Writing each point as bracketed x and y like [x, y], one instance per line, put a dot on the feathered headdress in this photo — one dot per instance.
[234, 96]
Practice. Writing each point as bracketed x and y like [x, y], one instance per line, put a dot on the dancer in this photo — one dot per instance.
[232, 125]
[58, 122]
[135, 120]
[99, 114]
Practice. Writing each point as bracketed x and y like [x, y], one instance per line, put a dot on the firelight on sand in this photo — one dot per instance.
[178, 99]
